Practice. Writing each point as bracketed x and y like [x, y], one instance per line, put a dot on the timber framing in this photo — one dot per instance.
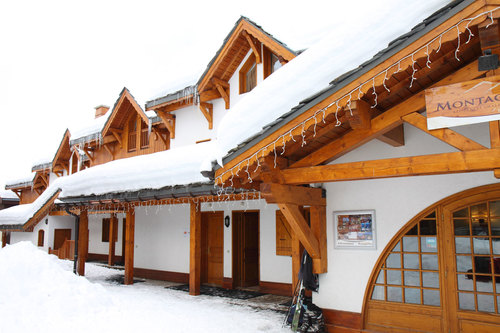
[168, 120]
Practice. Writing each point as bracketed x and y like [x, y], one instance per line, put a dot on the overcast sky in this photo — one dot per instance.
[60, 59]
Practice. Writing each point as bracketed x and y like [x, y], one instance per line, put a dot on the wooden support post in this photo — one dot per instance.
[83, 242]
[129, 246]
[318, 227]
[195, 249]
[5, 238]
[495, 140]
[113, 224]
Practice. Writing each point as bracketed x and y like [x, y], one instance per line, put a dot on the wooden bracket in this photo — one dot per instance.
[169, 122]
[223, 89]
[208, 111]
[117, 134]
[394, 137]
[159, 135]
[108, 149]
[301, 229]
[255, 47]
[359, 115]
[89, 154]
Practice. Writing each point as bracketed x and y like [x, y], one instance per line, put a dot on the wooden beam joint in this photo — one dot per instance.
[208, 111]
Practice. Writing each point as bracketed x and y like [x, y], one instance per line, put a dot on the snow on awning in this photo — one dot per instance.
[25, 217]
[343, 49]
[20, 182]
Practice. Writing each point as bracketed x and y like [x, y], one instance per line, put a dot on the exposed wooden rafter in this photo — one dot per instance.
[255, 47]
[223, 89]
[208, 111]
[169, 122]
[359, 115]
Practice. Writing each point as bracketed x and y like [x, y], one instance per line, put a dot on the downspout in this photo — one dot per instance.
[77, 236]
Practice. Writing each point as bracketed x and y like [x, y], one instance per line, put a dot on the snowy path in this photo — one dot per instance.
[38, 293]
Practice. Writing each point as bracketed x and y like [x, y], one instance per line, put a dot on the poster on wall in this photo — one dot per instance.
[354, 229]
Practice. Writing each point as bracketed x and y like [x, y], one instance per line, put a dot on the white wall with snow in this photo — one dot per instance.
[395, 201]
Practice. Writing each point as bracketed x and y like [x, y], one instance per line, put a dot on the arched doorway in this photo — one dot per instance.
[441, 272]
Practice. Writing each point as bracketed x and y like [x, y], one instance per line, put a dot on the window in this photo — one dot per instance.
[105, 230]
[410, 271]
[248, 75]
[271, 62]
[132, 134]
[283, 236]
[41, 237]
[144, 135]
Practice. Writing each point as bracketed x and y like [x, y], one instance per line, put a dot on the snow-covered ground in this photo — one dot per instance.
[39, 293]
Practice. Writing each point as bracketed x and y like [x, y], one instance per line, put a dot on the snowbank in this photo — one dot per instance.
[39, 293]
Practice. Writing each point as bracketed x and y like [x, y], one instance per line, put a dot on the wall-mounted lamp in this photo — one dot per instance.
[46, 221]
[487, 61]
[227, 221]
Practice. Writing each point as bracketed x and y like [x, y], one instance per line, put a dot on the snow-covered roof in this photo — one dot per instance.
[342, 50]
[175, 167]
[21, 182]
[6, 194]
[178, 166]
[18, 215]
[89, 131]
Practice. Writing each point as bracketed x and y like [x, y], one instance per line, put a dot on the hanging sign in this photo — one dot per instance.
[463, 103]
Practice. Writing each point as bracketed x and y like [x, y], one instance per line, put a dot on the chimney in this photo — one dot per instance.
[101, 110]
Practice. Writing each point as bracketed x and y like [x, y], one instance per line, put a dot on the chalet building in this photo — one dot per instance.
[382, 163]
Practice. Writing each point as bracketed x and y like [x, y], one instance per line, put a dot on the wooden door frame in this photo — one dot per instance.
[234, 240]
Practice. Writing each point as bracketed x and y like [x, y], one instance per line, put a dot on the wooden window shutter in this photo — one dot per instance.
[283, 236]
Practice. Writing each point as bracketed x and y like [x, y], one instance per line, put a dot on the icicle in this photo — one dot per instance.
[315, 124]
[249, 178]
[376, 96]
[491, 17]
[413, 78]
[303, 135]
[338, 123]
[428, 63]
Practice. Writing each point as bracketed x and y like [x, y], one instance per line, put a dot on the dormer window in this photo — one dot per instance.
[271, 62]
[248, 75]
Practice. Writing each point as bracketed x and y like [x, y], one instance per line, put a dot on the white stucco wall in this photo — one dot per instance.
[96, 245]
[395, 201]
[53, 222]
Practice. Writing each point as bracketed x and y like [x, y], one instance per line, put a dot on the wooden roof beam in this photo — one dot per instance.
[89, 154]
[208, 111]
[435, 164]
[169, 122]
[108, 149]
[255, 47]
[295, 195]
